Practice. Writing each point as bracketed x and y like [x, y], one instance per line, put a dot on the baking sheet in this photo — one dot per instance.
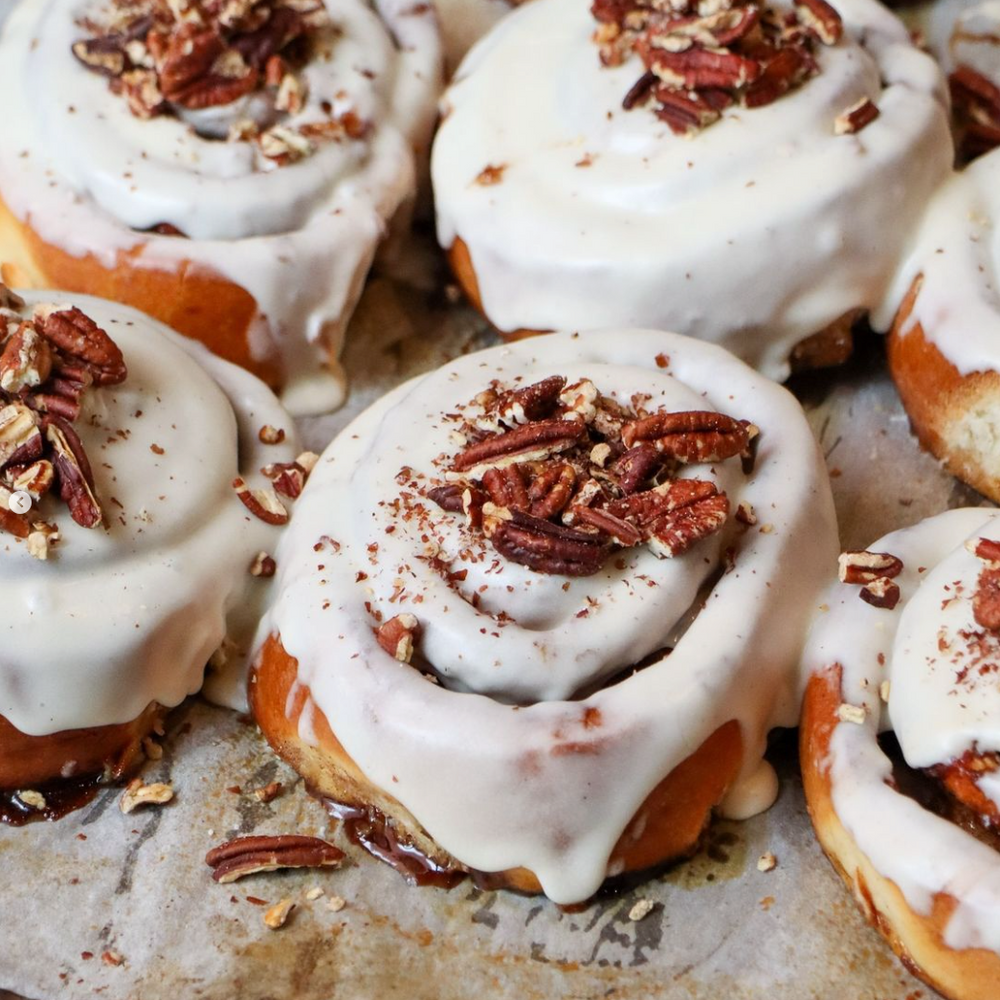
[137, 886]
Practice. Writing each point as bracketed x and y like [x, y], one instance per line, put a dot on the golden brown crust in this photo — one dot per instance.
[202, 305]
[34, 761]
[918, 939]
[667, 826]
[952, 414]
[826, 348]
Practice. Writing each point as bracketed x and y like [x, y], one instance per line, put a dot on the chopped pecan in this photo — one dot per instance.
[551, 489]
[138, 794]
[288, 478]
[26, 360]
[691, 436]
[447, 497]
[20, 437]
[855, 118]
[880, 593]
[637, 466]
[532, 402]
[821, 18]
[263, 504]
[864, 567]
[617, 529]
[506, 487]
[248, 855]
[11, 522]
[398, 635]
[263, 565]
[35, 479]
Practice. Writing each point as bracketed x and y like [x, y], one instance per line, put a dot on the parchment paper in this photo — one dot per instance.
[137, 885]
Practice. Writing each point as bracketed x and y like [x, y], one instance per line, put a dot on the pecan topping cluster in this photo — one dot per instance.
[875, 572]
[975, 103]
[703, 56]
[167, 56]
[48, 360]
[558, 477]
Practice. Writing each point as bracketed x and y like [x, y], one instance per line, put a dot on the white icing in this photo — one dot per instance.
[921, 853]
[87, 174]
[485, 777]
[957, 250]
[962, 32]
[756, 233]
[118, 618]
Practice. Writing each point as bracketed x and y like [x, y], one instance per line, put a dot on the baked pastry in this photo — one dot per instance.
[899, 743]
[768, 229]
[535, 617]
[227, 166]
[135, 561]
[944, 345]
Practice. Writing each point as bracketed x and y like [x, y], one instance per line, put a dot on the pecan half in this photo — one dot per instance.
[547, 547]
[637, 466]
[532, 441]
[249, 855]
[692, 436]
[76, 481]
[78, 336]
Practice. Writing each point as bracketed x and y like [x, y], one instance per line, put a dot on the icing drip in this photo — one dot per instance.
[600, 216]
[497, 784]
[118, 618]
[90, 176]
[937, 708]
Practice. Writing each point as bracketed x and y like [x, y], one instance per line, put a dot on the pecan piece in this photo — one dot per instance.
[188, 58]
[535, 440]
[880, 593]
[551, 489]
[76, 481]
[506, 487]
[548, 548]
[533, 402]
[288, 478]
[986, 602]
[263, 504]
[985, 548]
[398, 635]
[864, 567]
[448, 497]
[618, 530]
[35, 479]
[697, 68]
[11, 522]
[20, 438]
[637, 466]
[26, 360]
[248, 855]
[692, 436]
[822, 19]
[102, 55]
[855, 118]
[77, 335]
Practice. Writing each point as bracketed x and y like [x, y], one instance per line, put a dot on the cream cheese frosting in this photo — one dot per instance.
[479, 758]
[127, 614]
[956, 254]
[758, 232]
[88, 175]
[940, 704]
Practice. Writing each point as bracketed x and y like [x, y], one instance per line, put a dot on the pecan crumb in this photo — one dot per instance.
[137, 794]
[269, 792]
[263, 565]
[278, 914]
[271, 435]
[641, 909]
[32, 799]
[490, 175]
[855, 714]
[336, 903]
[855, 118]
[767, 862]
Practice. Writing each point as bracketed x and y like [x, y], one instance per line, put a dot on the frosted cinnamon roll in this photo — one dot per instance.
[900, 738]
[733, 175]
[539, 609]
[137, 535]
[944, 345]
[228, 166]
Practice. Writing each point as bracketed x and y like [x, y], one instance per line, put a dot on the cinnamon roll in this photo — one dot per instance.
[944, 345]
[136, 535]
[900, 737]
[539, 609]
[747, 176]
[227, 166]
